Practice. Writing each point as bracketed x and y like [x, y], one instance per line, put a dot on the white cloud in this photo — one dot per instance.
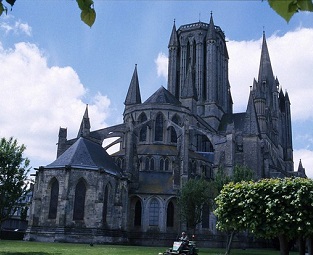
[292, 61]
[36, 99]
[162, 65]
[17, 27]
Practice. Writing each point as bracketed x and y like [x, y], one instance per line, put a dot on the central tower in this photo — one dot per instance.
[198, 70]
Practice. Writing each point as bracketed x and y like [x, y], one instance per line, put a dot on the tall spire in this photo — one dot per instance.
[301, 170]
[84, 129]
[174, 39]
[133, 94]
[265, 70]
[251, 124]
[211, 32]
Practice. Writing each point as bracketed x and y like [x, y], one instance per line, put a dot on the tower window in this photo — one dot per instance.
[79, 202]
[164, 164]
[143, 130]
[53, 207]
[170, 215]
[159, 125]
[149, 163]
[137, 220]
[154, 212]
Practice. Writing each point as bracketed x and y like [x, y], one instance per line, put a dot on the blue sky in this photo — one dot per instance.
[52, 64]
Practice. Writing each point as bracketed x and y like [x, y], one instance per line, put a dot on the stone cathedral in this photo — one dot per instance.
[180, 132]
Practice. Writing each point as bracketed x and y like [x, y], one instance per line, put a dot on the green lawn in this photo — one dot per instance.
[36, 248]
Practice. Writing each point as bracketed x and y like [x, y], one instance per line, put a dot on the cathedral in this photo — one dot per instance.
[184, 131]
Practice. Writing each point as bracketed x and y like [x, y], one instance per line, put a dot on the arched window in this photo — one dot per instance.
[137, 220]
[170, 215]
[154, 212]
[143, 134]
[54, 195]
[164, 164]
[173, 133]
[161, 164]
[143, 130]
[105, 203]
[119, 162]
[167, 164]
[152, 164]
[79, 202]
[204, 144]
[189, 53]
[159, 125]
[149, 163]
[206, 216]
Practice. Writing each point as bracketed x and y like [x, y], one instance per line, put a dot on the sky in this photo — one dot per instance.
[52, 65]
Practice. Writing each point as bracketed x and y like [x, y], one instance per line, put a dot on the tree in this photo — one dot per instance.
[268, 208]
[285, 8]
[195, 194]
[240, 173]
[13, 176]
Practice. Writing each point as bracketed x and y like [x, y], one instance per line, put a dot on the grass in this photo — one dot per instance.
[37, 248]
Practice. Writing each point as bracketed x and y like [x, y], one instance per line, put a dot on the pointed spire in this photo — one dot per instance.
[174, 38]
[301, 169]
[265, 70]
[211, 31]
[287, 97]
[282, 103]
[133, 94]
[84, 129]
[251, 125]
[254, 85]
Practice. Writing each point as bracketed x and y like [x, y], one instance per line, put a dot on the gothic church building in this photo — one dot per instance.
[180, 132]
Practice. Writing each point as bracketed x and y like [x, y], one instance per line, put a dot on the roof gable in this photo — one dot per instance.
[162, 96]
[86, 154]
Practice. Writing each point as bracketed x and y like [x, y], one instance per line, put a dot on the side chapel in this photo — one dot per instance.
[180, 132]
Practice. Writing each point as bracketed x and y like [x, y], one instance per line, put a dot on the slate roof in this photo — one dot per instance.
[86, 154]
[162, 96]
[237, 118]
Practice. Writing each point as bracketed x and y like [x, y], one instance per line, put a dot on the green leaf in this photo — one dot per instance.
[3, 9]
[84, 4]
[88, 16]
[283, 8]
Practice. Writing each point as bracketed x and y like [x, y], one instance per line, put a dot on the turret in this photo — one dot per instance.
[251, 125]
[301, 170]
[84, 129]
[173, 68]
[288, 128]
[62, 141]
[133, 95]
